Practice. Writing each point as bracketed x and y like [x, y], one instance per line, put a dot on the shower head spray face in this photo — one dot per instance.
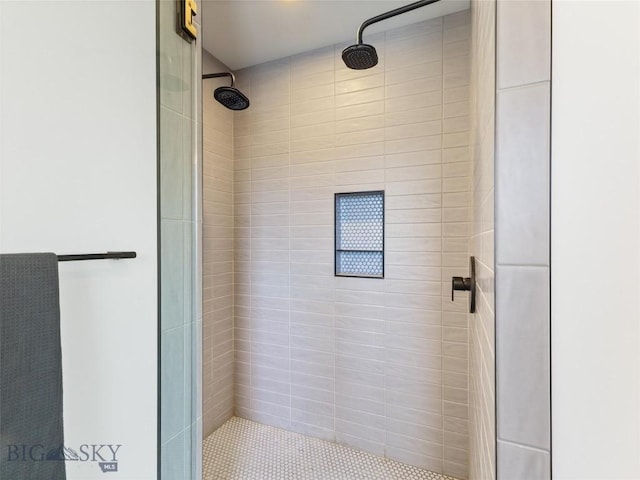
[360, 56]
[231, 98]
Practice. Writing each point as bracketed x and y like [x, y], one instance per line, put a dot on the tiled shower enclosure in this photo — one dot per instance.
[376, 364]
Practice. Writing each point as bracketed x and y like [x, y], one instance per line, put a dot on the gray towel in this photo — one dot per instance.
[31, 428]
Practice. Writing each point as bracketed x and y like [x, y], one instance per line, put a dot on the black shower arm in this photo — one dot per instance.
[218, 75]
[392, 13]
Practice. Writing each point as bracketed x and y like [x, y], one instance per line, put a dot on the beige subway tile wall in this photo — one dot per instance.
[380, 365]
[482, 435]
[217, 271]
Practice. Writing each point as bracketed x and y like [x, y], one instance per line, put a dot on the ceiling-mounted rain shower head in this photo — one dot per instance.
[230, 97]
[361, 55]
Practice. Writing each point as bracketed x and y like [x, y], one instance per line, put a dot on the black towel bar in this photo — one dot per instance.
[96, 256]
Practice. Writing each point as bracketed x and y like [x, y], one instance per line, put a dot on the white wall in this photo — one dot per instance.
[78, 174]
[595, 240]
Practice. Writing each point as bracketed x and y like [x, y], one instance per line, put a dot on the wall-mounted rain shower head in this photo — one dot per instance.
[230, 97]
[361, 55]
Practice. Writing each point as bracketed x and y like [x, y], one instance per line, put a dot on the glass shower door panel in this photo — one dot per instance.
[179, 326]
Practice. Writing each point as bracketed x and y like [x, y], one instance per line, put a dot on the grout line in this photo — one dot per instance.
[522, 86]
[523, 445]
[525, 265]
[385, 407]
[289, 243]
[442, 238]
[333, 290]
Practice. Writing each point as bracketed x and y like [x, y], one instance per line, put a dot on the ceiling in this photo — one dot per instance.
[242, 33]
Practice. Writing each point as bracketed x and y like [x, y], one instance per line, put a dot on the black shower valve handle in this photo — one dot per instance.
[466, 284]
[461, 284]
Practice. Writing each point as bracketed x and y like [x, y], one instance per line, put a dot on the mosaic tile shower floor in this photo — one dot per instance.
[244, 450]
